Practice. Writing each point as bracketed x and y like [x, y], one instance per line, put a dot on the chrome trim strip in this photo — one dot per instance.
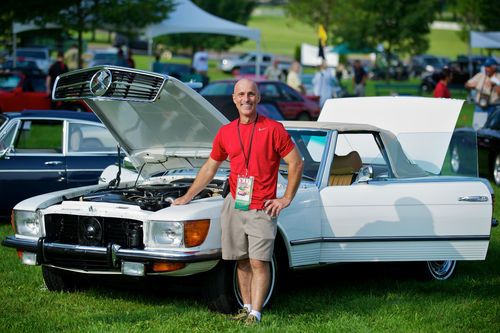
[474, 198]
[34, 170]
[80, 170]
[389, 239]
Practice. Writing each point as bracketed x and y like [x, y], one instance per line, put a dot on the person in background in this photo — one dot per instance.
[293, 78]
[200, 62]
[157, 65]
[56, 69]
[130, 60]
[487, 86]
[359, 79]
[441, 90]
[121, 61]
[272, 72]
[322, 83]
[71, 57]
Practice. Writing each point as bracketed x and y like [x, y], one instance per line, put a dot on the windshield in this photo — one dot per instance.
[9, 81]
[31, 54]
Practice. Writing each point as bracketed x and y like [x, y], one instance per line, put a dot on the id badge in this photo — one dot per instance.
[244, 188]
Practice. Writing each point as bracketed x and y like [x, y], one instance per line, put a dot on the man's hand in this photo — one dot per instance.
[184, 200]
[275, 206]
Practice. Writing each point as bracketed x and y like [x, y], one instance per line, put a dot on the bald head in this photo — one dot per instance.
[246, 96]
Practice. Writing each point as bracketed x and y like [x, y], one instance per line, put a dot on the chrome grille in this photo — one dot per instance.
[126, 84]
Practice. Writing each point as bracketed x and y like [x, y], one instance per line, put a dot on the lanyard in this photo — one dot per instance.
[247, 159]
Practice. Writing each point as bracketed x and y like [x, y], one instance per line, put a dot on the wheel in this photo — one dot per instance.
[222, 289]
[455, 159]
[440, 270]
[59, 280]
[304, 116]
[496, 170]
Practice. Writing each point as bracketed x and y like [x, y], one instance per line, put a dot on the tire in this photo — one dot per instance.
[455, 159]
[59, 280]
[304, 116]
[222, 289]
[496, 170]
[440, 270]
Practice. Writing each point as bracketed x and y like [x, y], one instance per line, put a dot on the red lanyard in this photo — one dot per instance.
[247, 159]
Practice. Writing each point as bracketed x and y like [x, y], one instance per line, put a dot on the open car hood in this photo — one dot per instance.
[154, 117]
[423, 126]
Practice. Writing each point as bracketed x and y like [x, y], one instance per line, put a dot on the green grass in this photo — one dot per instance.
[353, 298]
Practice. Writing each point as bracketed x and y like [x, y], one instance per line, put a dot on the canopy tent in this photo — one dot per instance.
[189, 18]
[485, 40]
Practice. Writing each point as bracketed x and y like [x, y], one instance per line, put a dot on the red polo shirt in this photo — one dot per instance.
[270, 144]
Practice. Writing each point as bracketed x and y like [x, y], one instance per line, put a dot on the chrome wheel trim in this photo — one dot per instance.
[272, 284]
[496, 170]
[441, 270]
[455, 160]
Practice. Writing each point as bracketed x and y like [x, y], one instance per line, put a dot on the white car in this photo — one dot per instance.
[266, 59]
[368, 194]
[40, 55]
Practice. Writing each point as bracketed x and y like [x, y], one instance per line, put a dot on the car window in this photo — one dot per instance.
[266, 59]
[289, 93]
[31, 54]
[89, 138]
[269, 90]
[214, 89]
[365, 145]
[9, 82]
[311, 145]
[494, 121]
[39, 136]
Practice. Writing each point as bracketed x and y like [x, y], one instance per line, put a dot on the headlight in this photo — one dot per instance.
[27, 223]
[178, 234]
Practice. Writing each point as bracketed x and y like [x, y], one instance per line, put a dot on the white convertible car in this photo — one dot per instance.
[372, 190]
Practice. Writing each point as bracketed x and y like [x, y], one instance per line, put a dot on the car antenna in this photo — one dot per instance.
[116, 182]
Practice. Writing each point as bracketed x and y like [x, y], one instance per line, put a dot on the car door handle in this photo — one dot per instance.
[53, 163]
[474, 198]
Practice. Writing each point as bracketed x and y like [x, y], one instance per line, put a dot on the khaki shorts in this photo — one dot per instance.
[246, 234]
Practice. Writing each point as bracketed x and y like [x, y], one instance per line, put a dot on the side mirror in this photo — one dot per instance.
[5, 151]
[365, 174]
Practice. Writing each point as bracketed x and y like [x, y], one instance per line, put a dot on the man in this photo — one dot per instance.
[200, 62]
[56, 69]
[359, 79]
[487, 86]
[255, 145]
[322, 83]
[273, 72]
[71, 57]
[293, 78]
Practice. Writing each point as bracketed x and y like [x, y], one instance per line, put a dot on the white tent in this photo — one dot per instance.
[485, 40]
[189, 18]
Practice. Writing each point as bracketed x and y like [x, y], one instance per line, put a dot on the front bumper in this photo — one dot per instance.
[109, 256]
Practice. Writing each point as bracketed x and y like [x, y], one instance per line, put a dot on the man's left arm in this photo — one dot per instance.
[295, 165]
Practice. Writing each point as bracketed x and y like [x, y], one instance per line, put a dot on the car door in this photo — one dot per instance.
[90, 148]
[387, 217]
[487, 143]
[35, 163]
[270, 92]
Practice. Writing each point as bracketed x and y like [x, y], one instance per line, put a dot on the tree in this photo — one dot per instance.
[234, 10]
[127, 16]
[477, 15]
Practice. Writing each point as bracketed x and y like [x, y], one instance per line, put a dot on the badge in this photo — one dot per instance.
[244, 188]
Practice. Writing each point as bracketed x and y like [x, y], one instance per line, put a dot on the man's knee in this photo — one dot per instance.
[259, 265]
[244, 264]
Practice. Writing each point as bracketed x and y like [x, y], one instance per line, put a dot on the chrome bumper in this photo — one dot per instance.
[112, 253]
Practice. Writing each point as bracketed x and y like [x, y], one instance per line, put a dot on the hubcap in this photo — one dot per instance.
[496, 170]
[441, 270]
[455, 160]
[272, 284]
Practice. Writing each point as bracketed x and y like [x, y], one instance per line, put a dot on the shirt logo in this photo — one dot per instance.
[100, 82]
[261, 129]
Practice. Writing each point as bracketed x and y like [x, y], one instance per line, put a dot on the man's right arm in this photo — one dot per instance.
[204, 176]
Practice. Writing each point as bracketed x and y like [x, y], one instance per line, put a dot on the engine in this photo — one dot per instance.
[152, 197]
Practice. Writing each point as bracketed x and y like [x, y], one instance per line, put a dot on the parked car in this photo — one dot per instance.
[40, 55]
[291, 103]
[249, 72]
[361, 198]
[487, 139]
[21, 64]
[266, 59]
[459, 73]
[99, 57]
[24, 89]
[44, 151]
[426, 63]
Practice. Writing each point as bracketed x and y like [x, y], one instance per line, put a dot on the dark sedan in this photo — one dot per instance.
[45, 151]
[463, 150]
[290, 103]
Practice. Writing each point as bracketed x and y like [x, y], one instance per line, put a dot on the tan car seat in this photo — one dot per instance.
[344, 169]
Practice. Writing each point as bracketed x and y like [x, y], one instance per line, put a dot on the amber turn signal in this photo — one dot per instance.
[12, 221]
[167, 266]
[195, 232]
